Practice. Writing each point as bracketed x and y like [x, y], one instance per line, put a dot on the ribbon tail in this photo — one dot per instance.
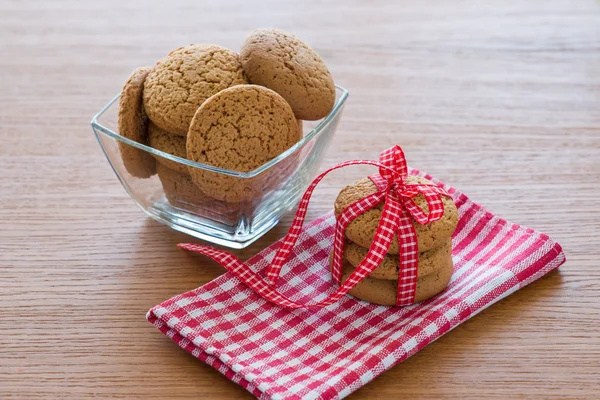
[250, 278]
[290, 239]
[267, 290]
[348, 215]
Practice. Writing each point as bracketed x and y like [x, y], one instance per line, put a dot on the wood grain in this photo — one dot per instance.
[498, 98]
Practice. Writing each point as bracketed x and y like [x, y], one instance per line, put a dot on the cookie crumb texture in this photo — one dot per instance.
[384, 292]
[132, 124]
[362, 229]
[169, 143]
[282, 62]
[429, 261]
[184, 79]
[240, 129]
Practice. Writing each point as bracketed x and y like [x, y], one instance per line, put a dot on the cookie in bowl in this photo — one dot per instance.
[168, 143]
[239, 129]
[184, 79]
[183, 194]
[133, 125]
[282, 62]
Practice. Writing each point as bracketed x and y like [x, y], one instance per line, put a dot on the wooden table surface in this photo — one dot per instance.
[499, 98]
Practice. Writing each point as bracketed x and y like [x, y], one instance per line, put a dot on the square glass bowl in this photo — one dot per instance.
[255, 200]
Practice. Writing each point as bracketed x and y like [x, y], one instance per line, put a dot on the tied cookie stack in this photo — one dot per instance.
[391, 241]
[235, 112]
[434, 242]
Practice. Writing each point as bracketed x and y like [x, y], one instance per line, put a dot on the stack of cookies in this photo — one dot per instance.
[232, 111]
[434, 243]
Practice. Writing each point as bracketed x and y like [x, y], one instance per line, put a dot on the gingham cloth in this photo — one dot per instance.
[329, 352]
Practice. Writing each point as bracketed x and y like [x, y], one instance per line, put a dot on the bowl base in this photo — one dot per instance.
[205, 228]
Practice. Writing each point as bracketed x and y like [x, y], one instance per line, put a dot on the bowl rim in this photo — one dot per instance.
[337, 107]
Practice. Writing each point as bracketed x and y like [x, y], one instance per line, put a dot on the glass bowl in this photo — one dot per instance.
[242, 206]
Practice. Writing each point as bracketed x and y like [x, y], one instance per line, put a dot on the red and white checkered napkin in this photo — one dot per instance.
[325, 353]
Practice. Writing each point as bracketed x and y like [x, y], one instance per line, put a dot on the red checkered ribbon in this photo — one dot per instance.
[398, 212]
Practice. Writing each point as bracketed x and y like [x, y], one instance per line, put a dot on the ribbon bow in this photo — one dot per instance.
[396, 218]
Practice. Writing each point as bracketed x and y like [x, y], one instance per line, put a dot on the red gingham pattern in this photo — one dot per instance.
[329, 352]
[397, 170]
